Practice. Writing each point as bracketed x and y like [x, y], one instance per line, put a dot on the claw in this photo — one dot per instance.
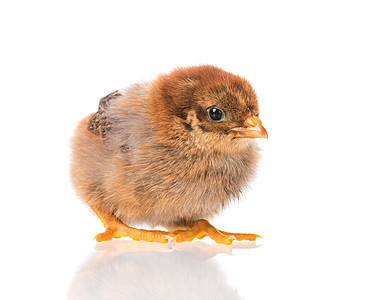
[171, 243]
[104, 236]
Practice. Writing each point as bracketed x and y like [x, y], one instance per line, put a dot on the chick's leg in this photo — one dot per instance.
[203, 228]
[117, 229]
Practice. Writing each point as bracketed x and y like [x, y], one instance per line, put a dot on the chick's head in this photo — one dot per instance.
[206, 106]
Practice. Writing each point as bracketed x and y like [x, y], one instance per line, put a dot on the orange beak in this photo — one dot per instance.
[253, 129]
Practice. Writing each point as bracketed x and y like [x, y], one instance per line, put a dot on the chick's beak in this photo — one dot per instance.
[253, 129]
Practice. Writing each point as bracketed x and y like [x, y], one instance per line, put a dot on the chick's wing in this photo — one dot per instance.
[100, 123]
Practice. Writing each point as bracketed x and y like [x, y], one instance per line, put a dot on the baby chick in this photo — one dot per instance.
[171, 152]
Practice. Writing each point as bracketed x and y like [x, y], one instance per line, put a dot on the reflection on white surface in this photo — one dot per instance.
[124, 269]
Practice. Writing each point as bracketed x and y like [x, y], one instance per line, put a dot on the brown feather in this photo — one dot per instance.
[151, 155]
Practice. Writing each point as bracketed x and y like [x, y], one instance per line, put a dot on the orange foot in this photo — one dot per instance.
[203, 228]
[117, 230]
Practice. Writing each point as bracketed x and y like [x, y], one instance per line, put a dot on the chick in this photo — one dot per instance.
[172, 152]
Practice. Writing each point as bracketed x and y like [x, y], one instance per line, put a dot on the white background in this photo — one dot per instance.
[316, 200]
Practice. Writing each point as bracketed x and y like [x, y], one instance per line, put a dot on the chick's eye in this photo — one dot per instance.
[215, 113]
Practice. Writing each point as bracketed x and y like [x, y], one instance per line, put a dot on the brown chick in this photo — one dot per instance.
[172, 152]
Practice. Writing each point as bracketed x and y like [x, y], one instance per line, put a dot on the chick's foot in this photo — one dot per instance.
[117, 229]
[203, 228]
